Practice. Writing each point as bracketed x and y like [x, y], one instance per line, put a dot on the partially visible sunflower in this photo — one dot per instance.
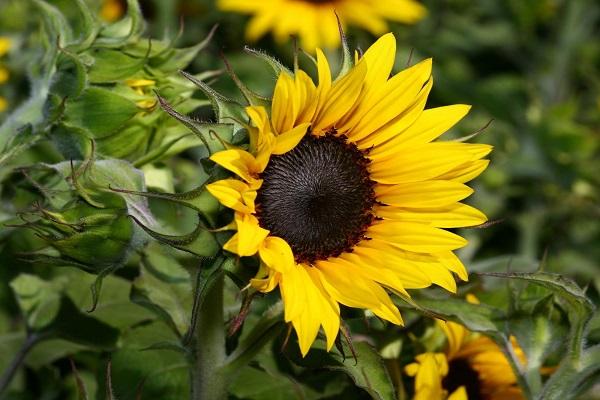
[473, 367]
[342, 192]
[4, 74]
[112, 10]
[314, 20]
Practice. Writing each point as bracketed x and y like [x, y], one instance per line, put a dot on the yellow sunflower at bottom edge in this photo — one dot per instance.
[472, 368]
[343, 193]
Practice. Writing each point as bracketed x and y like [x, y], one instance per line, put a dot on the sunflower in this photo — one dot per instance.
[473, 367]
[5, 44]
[343, 194]
[314, 20]
[112, 10]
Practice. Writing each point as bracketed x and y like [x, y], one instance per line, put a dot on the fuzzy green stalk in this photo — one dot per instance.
[208, 382]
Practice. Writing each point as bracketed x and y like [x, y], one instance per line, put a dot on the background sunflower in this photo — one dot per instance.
[313, 21]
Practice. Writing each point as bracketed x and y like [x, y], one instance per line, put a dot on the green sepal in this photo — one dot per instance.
[347, 59]
[100, 111]
[89, 24]
[197, 199]
[171, 60]
[57, 27]
[200, 242]
[251, 97]
[70, 78]
[112, 65]
[225, 109]
[224, 132]
[125, 30]
[277, 67]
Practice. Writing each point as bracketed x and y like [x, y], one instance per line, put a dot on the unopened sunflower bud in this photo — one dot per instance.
[95, 237]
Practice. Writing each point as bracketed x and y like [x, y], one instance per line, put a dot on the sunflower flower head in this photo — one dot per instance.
[5, 44]
[473, 367]
[313, 21]
[344, 194]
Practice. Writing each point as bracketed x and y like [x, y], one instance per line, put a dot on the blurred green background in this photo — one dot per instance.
[530, 67]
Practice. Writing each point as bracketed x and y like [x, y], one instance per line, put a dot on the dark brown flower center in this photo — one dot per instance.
[460, 373]
[318, 197]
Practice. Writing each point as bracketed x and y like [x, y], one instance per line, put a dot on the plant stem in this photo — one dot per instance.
[8, 375]
[208, 382]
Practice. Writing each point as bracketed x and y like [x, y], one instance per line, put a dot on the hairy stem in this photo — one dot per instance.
[208, 381]
[8, 375]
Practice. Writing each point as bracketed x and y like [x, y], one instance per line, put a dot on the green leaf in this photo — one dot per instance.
[570, 379]
[269, 326]
[579, 307]
[254, 384]
[155, 374]
[170, 301]
[74, 326]
[367, 370]
[100, 111]
[476, 317]
[38, 299]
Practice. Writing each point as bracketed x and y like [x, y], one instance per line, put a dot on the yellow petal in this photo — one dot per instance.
[240, 162]
[393, 98]
[248, 238]
[430, 125]
[466, 172]
[347, 284]
[307, 97]
[451, 216]
[290, 139]
[429, 370]
[399, 123]
[415, 237]
[411, 266]
[265, 280]
[380, 58]
[340, 98]
[419, 163]
[277, 254]
[234, 194]
[459, 394]
[283, 108]
[456, 335]
[422, 194]
[376, 273]
[453, 263]
[383, 255]
[307, 306]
